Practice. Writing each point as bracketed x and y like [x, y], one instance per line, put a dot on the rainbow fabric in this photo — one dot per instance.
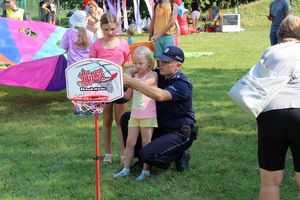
[39, 61]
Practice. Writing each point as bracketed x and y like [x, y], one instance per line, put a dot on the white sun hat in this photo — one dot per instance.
[78, 19]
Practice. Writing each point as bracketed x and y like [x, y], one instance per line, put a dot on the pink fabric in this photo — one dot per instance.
[37, 43]
[117, 55]
[34, 74]
[142, 106]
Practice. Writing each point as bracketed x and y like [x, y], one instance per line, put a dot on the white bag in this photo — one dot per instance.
[255, 90]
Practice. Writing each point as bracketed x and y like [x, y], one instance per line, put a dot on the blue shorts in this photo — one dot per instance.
[162, 43]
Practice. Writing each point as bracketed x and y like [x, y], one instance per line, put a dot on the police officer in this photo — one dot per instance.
[175, 115]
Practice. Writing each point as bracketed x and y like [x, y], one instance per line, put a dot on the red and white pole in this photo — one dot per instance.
[97, 157]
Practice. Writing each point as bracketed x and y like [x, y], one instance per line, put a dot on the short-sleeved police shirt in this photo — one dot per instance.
[179, 111]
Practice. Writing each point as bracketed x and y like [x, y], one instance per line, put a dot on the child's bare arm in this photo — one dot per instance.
[152, 79]
[169, 25]
[128, 93]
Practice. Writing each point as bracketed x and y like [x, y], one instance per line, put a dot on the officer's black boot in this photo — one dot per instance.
[183, 162]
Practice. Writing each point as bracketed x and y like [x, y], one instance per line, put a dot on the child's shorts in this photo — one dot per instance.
[196, 14]
[143, 123]
[162, 43]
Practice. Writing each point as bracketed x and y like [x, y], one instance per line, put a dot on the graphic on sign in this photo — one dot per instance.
[94, 77]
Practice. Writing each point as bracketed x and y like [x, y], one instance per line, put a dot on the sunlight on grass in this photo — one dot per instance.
[46, 152]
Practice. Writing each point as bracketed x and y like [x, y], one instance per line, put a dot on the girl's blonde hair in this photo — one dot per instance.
[108, 18]
[146, 52]
[82, 39]
[289, 28]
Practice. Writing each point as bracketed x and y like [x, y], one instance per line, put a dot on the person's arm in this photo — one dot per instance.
[152, 79]
[151, 91]
[270, 16]
[128, 93]
[287, 9]
[45, 7]
[151, 30]
[64, 43]
[169, 25]
[127, 55]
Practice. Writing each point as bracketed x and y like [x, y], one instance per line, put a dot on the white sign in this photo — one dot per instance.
[94, 77]
[231, 23]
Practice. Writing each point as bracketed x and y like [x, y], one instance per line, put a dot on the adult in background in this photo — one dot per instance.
[12, 11]
[175, 115]
[278, 10]
[195, 13]
[49, 11]
[279, 124]
[93, 17]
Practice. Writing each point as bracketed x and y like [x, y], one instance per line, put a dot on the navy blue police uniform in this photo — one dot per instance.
[169, 140]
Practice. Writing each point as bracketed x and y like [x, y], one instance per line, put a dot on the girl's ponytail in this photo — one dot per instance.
[82, 39]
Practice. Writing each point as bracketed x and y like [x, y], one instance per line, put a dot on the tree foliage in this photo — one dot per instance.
[71, 4]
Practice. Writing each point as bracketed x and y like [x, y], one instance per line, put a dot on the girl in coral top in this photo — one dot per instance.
[143, 110]
[111, 48]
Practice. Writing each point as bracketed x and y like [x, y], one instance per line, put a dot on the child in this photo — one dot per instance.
[77, 40]
[111, 48]
[93, 17]
[143, 110]
[162, 25]
[130, 33]
[195, 9]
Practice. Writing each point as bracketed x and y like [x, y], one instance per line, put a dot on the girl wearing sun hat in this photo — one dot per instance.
[77, 40]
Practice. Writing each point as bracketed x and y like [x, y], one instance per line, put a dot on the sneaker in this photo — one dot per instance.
[124, 172]
[107, 158]
[77, 109]
[183, 163]
[143, 175]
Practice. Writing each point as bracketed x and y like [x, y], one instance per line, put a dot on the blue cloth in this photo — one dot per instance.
[177, 112]
[130, 40]
[273, 36]
[279, 9]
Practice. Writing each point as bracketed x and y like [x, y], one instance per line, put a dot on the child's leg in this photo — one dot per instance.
[119, 110]
[106, 127]
[146, 139]
[133, 133]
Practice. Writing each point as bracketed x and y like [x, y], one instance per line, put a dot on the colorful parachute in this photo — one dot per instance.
[23, 41]
[34, 47]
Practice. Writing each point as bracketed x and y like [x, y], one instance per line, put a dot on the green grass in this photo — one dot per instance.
[46, 152]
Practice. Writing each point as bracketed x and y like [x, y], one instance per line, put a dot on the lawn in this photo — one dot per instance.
[46, 151]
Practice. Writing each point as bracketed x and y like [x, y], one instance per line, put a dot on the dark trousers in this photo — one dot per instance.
[166, 146]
